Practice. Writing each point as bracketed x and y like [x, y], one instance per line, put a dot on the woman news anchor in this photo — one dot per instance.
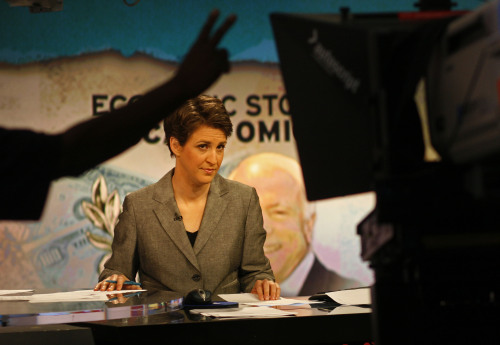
[193, 228]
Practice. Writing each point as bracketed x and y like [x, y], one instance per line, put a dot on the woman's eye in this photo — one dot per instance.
[202, 146]
[221, 147]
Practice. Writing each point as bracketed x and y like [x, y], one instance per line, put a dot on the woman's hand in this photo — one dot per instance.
[120, 279]
[267, 290]
[117, 298]
[120, 298]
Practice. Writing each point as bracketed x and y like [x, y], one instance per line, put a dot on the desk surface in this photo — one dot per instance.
[158, 315]
[24, 313]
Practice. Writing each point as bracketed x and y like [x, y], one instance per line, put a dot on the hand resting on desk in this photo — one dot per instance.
[267, 290]
[120, 279]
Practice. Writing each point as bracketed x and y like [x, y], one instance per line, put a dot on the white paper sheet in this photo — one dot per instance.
[246, 312]
[15, 298]
[351, 296]
[253, 299]
[79, 295]
[10, 292]
[349, 309]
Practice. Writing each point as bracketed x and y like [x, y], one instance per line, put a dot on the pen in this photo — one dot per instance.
[126, 296]
[127, 282]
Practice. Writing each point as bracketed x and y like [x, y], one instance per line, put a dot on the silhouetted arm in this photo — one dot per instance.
[94, 141]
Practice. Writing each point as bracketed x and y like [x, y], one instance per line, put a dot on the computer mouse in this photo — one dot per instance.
[197, 297]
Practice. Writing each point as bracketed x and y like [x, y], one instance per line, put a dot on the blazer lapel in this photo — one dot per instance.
[166, 210]
[214, 209]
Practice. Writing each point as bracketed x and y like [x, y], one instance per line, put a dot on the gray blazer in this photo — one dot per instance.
[227, 257]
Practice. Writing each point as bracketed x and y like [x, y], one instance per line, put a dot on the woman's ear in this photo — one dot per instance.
[175, 146]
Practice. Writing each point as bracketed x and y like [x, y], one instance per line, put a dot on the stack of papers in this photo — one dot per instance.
[246, 312]
[6, 295]
[251, 306]
[77, 296]
[253, 299]
[71, 296]
[360, 296]
[11, 292]
[349, 309]
[351, 301]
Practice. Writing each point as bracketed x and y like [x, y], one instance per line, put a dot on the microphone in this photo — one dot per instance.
[177, 217]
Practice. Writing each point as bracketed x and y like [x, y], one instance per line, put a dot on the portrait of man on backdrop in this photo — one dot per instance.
[289, 220]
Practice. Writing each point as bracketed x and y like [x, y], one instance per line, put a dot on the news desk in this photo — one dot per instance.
[159, 317]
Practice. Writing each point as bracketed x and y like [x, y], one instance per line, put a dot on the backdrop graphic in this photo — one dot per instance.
[60, 68]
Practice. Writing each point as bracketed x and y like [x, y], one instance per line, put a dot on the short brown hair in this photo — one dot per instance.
[195, 112]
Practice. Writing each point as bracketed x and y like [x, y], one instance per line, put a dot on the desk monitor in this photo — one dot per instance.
[351, 81]
[326, 79]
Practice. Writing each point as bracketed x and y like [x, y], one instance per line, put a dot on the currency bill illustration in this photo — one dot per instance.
[72, 240]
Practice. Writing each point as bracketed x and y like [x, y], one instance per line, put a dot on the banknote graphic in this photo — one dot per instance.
[71, 241]
[61, 260]
[15, 266]
[103, 213]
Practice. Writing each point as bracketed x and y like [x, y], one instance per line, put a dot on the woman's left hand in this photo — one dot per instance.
[267, 290]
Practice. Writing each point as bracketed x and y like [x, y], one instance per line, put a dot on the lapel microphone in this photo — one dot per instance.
[177, 217]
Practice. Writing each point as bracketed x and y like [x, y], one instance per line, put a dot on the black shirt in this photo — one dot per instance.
[192, 237]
